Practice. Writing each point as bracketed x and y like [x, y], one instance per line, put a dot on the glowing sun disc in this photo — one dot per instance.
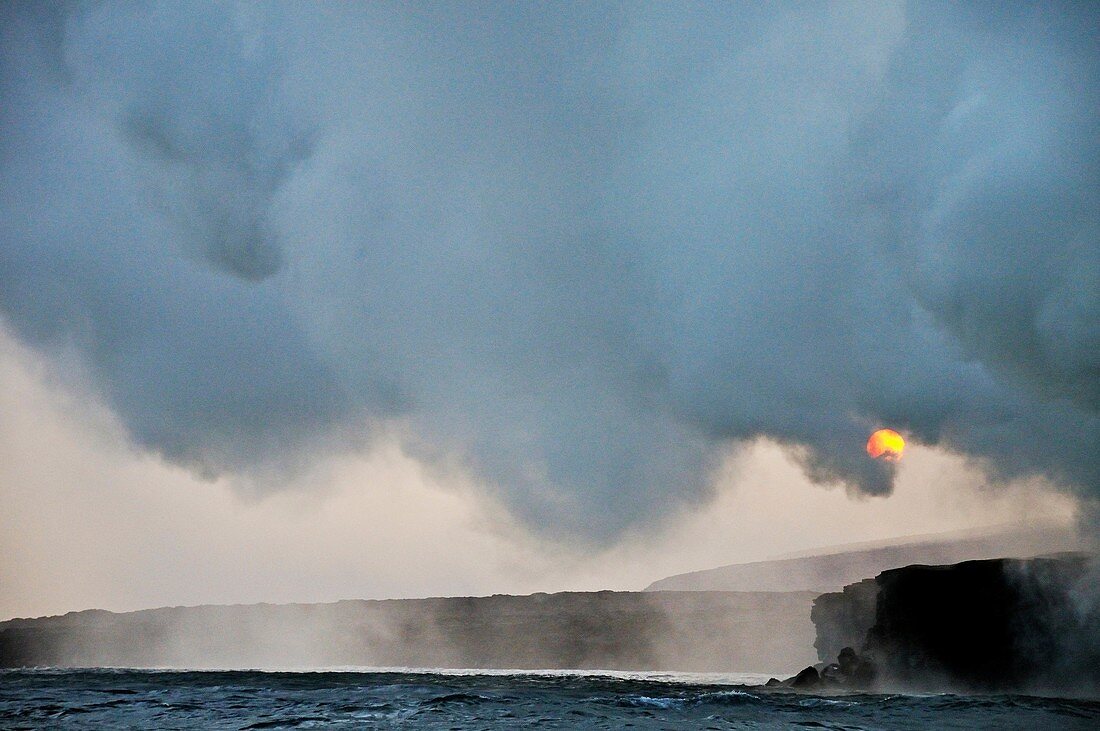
[887, 444]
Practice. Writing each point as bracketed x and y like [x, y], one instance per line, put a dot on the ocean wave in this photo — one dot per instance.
[197, 700]
[650, 702]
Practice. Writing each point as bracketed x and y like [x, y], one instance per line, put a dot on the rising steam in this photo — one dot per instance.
[577, 248]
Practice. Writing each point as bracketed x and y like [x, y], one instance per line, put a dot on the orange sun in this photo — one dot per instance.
[887, 444]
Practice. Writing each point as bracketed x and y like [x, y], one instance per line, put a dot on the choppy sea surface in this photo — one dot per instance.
[164, 699]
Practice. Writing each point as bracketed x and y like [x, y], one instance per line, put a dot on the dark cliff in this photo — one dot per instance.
[689, 631]
[841, 619]
[994, 625]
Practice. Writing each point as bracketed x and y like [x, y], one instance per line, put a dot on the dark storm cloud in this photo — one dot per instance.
[576, 249]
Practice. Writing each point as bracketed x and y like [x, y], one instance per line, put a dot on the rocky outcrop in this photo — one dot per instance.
[995, 625]
[849, 672]
[841, 619]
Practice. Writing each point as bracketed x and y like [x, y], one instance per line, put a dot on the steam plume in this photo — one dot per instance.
[581, 248]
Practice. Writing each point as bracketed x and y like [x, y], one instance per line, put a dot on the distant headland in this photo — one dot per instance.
[993, 625]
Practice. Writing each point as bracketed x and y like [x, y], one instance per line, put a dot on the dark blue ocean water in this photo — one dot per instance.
[137, 699]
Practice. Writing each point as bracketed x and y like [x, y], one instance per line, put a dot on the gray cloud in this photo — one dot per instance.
[576, 249]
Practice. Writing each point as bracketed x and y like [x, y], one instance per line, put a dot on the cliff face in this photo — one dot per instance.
[689, 631]
[841, 619]
[1003, 624]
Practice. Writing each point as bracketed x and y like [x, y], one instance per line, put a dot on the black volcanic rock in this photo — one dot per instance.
[995, 625]
[806, 678]
[841, 619]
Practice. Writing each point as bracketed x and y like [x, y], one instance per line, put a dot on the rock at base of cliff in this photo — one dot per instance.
[807, 678]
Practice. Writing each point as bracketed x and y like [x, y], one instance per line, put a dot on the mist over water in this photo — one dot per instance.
[573, 251]
[667, 631]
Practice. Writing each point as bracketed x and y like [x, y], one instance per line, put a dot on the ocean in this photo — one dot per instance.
[373, 699]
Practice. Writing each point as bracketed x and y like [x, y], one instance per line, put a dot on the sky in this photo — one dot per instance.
[316, 301]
